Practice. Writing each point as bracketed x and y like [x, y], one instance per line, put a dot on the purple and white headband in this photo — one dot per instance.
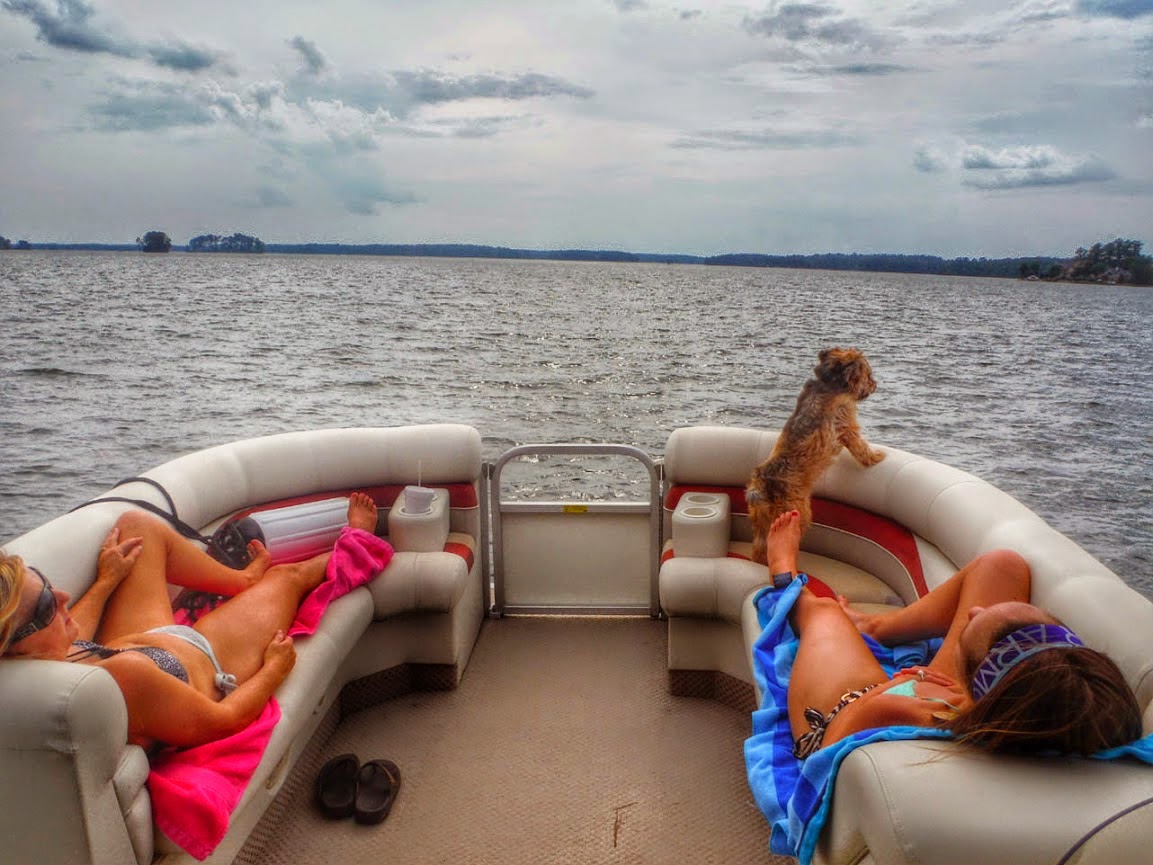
[1014, 648]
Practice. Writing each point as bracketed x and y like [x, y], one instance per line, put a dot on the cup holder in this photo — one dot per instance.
[699, 512]
[701, 526]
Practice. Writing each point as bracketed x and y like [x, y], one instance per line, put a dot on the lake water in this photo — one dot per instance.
[112, 363]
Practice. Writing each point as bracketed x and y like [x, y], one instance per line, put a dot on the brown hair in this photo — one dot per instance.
[11, 582]
[1074, 701]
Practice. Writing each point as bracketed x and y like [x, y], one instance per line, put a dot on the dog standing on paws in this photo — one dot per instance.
[824, 421]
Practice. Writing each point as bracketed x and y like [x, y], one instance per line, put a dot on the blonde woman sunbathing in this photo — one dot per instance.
[182, 685]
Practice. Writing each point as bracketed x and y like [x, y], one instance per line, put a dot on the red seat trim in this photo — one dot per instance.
[884, 532]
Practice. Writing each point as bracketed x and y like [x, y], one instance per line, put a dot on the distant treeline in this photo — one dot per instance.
[1007, 267]
[1032, 266]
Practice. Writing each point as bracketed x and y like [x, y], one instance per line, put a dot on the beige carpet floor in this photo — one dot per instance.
[562, 746]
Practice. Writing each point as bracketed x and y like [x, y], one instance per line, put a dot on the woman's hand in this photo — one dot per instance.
[117, 558]
[863, 621]
[928, 674]
[281, 652]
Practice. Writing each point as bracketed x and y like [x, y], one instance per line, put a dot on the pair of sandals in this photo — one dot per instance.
[347, 788]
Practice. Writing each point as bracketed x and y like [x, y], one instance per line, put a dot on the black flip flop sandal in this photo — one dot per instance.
[336, 787]
[378, 782]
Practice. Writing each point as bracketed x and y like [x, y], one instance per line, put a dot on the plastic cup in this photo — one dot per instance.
[418, 500]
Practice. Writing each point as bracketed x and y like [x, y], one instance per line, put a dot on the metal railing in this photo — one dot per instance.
[498, 508]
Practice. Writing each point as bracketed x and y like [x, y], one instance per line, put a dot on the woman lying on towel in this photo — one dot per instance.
[183, 686]
[1007, 677]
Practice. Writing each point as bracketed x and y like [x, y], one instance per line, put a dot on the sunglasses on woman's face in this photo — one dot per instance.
[44, 613]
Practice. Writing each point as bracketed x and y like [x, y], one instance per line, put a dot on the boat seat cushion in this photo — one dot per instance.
[718, 587]
[995, 810]
[424, 582]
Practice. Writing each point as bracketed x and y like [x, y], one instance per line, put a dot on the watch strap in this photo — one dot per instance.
[783, 579]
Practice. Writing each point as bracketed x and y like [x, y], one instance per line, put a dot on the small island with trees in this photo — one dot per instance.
[159, 241]
[154, 241]
[233, 243]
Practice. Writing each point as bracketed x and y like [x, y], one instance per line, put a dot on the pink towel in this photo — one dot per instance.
[356, 559]
[194, 791]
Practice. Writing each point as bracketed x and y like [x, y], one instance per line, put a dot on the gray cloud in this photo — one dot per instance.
[1027, 166]
[149, 107]
[1019, 123]
[816, 23]
[71, 28]
[972, 39]
[431, 86]
[930, 160]
[729, 139]
[1042, 11]
[403, 93]
[314, 60]
[630, 5]
[867, 69]
[977, 157]
[183, 57]
[479, 127]
[1126, 9]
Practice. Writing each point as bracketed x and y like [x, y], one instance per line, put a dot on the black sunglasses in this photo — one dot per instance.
[44, 613]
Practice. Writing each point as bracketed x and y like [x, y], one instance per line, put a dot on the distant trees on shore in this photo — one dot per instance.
[154, 241]
[233, 243]
[1117, 262]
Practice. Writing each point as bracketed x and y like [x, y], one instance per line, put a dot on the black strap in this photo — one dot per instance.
[170, 515]
[150, 482]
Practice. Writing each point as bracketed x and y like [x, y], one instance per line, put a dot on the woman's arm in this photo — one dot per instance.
[989, 579]
[161, 708]
[112, 566]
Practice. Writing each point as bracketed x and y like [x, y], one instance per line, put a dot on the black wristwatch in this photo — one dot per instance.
[782, 580]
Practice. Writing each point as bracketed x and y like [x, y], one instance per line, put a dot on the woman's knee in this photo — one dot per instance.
[136, 523]
[812, 609]
[1006, 564]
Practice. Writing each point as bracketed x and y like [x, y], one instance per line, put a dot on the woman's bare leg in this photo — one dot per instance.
[141, 600]
[240, 629]
[832, 657]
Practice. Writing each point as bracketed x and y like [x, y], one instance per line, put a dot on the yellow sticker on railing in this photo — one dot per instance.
[576, 509]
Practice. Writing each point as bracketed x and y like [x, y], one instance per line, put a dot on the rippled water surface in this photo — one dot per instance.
[112, 363]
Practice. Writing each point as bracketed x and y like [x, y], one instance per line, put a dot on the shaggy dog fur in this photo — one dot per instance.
[824, 421]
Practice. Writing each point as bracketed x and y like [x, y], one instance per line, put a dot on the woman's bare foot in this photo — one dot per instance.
[784, 543]
[362, 512]
[259, 559]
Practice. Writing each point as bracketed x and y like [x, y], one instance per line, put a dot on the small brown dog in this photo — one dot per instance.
[824, 421]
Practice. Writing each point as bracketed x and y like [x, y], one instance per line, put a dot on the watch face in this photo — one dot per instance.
[781, 580]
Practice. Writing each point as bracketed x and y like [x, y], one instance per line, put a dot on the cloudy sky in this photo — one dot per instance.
[974, 127]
